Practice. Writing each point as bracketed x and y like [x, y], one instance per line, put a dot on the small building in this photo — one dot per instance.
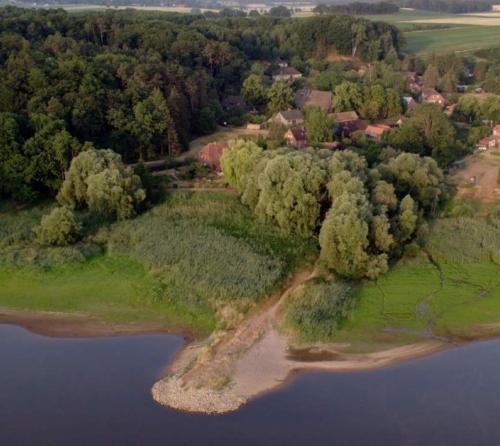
[377, 131]
[496, 131]
[410, 103]
[332, 145]
[487, 143]
[280, 63]
[296, 137]
[287, 74]
[346, 123]
[306, 97]
[461, 88]
[431, 96]
[210, 154]
[289, 118]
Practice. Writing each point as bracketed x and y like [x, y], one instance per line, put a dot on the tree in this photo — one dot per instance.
[254, 92]
[348, 97]
[280, 11]
[431, 77]
[280, 97]
[58, 228]
[238, 161]
[291, 186]
[407, 220]
[99, 180]
[154, 127]
[344, 239]
[318, 126]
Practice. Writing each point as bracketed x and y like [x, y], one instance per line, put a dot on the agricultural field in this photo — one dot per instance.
[175, 264]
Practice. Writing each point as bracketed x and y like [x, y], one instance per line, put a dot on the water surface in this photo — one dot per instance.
[96, 392]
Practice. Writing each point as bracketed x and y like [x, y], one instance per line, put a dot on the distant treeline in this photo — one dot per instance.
[358, 8]
[452, 6]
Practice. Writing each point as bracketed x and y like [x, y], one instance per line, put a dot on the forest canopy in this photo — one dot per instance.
[142, 85]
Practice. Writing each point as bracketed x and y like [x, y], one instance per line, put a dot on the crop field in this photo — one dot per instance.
[463, 39]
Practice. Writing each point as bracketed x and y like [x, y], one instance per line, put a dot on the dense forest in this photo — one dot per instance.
[358, 8]
[140, 84]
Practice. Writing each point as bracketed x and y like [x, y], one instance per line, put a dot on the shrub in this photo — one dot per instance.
[59, 228]
[317, 312]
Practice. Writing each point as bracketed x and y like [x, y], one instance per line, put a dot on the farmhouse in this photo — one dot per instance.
[210, 154]
[376, 131]
[296, 137]
[431, 96]
[347, 123]
[289, 117]
[314, 98]
[410, 103]
[287, 74]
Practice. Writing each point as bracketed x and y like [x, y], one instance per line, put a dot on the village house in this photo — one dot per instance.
[377, 131]
[314, 98]
[347, 123]
[289, 118]
[210, 155]
[296, 137]
[410, 103]
[431, 96]
[490, 142]
[280, 63]
[287, 74]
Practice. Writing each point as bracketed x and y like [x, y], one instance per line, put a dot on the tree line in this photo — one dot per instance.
[139, 84]
[358, 8]
[362, 216]
[452, 6]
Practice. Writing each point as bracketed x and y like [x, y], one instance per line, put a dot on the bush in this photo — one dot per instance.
[318, 311]
[59, 228]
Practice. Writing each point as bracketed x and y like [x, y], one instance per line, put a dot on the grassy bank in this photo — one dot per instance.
[197, 260]
[448, 290]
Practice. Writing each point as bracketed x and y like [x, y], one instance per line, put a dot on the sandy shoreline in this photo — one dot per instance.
[220, 374]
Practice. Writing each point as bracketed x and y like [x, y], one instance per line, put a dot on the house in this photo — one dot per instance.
[431, 96]
[306, 97]
[280, 63]
[410, 103]
[376, 131]
[296, 137]
[287, 74]
[461, 88]
[496, 131]
[488, 143]
[230, 103]
[289, 117]
[210, 154]
[347, 123]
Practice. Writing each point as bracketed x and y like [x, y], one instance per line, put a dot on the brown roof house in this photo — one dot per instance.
[287, 74]
[431, 96]
[210, 154]
[289, 117]
[347, 123]
[376, 131]
[410, 103]
[314, 98]
[296, 137]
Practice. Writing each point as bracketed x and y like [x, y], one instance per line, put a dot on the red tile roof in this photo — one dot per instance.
[210, 154]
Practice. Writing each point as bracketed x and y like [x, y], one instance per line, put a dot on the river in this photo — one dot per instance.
[95, 391]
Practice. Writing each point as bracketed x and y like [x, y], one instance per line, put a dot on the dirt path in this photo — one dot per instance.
[221, 374]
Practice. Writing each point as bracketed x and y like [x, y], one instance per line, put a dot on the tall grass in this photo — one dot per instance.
[464, 239]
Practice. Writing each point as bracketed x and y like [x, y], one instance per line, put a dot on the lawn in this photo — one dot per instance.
[196, 259]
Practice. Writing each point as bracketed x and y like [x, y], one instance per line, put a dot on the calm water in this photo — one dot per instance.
[96, 392]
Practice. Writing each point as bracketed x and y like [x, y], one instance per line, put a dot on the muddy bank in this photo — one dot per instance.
[76, 325]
